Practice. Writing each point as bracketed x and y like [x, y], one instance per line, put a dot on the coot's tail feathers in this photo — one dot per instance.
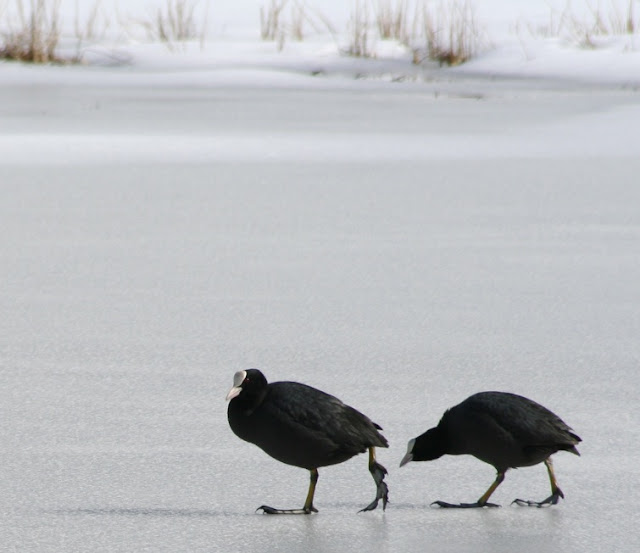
[573, 450]
[572, 447]
[547, 450]
[381, 440]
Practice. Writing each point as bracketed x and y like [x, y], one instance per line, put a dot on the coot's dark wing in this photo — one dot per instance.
[528, 422]
[322, 416]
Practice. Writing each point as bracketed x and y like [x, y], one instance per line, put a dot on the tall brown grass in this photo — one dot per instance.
[450, 31]
[35, 33]
[175, 23]
[446, 32]
[600, 20]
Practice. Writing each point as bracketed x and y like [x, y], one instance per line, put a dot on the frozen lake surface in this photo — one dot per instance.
[398, 246]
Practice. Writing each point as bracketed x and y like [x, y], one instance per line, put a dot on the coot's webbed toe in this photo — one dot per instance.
[477, 504]
[382, 490]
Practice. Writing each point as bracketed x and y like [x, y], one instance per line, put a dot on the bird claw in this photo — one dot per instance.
[551, 500]
[378, 472]
[475, 505]
[382, 492]
[271, 511]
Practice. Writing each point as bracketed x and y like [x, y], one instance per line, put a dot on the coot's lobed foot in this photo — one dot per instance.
[551, 500]
[271, 511]
[382, 493]
[475, 505]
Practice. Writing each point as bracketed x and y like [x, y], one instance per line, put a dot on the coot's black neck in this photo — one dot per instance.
[431, 445]
[249, 400]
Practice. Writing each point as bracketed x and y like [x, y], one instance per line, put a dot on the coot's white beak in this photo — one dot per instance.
[406, 459]
[409, 455]
[238, 379]
[234, 392]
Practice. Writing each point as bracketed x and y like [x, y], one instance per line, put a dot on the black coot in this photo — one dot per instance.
[502, 429]
[304, 427]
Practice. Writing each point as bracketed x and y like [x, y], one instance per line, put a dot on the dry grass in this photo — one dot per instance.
[32, 32]
[392, 19]
[298, 18]
[446, 32]
[283, 20]
[612, 20]
[271, 20]
[451, 33]
[360, 40]
[175, 23]
[35, 33]
[615, 18]
[93, 29]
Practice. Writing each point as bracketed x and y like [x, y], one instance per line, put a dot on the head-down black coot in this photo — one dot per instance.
[502, 429]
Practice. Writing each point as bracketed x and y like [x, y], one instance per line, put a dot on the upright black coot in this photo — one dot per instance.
[502, 429]
[302, 426]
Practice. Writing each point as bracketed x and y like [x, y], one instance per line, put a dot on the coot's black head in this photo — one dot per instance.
[249, 384]
[426, 447]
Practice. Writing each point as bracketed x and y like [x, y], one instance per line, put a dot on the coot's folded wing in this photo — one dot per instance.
[528, 422]
[323, 415]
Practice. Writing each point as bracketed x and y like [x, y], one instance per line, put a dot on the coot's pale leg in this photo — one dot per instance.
[308, 504]
[313, 480]
[482, 502]
[556, 492]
